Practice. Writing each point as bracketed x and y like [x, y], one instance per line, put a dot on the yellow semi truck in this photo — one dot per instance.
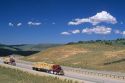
[49, 68]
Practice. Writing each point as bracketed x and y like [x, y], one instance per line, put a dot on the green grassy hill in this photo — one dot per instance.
[8, 75]
[34, 47]
[24, 49]
[99, 55]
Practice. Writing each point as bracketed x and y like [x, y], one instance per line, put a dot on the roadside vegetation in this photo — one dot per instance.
[99, 55]
[8, 75]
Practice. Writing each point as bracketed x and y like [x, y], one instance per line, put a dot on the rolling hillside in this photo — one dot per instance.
[92, 55]
[24, 49]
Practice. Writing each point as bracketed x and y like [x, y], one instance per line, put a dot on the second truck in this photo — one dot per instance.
[9, 60]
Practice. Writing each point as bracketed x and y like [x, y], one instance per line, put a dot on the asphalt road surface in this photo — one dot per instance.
[91, 79]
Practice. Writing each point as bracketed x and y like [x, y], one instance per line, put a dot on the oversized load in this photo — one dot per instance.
[9, 60]
[50, 68]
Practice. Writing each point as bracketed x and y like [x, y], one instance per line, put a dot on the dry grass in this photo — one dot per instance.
[91, 56]
[61, 52]
[112, 54]
[8, 75]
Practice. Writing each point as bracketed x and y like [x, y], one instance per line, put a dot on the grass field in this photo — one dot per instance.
[90, 55]
[8, 75]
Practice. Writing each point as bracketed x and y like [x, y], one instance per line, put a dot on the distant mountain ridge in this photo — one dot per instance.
[23, 49]
[29, 49]
[119, 41]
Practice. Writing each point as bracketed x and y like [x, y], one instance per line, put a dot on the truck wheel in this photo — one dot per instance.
[33, 68]
[36, 69]
[55, 73]
[51, 72]
[48, 71]
[13, 63]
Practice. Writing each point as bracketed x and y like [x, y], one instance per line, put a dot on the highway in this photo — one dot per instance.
[71, 74]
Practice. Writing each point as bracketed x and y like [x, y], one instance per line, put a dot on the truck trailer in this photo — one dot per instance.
[49, 68]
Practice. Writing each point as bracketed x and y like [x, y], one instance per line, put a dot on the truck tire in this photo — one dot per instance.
[55, 73]
[36, 69]
[13, 63]
[33, 68]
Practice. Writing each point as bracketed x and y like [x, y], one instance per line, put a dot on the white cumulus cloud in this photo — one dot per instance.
[19, 24]
[78, 21]
[103, 16]
[97, 30]
[11, 24]
[34, 23]
[117, 32]
[75, 31]
[87, 30]
[65, 33]
[123, 33]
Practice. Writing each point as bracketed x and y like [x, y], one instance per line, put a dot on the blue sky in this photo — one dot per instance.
[60, 21]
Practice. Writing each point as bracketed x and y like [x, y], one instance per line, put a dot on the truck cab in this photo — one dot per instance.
[58, 70]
